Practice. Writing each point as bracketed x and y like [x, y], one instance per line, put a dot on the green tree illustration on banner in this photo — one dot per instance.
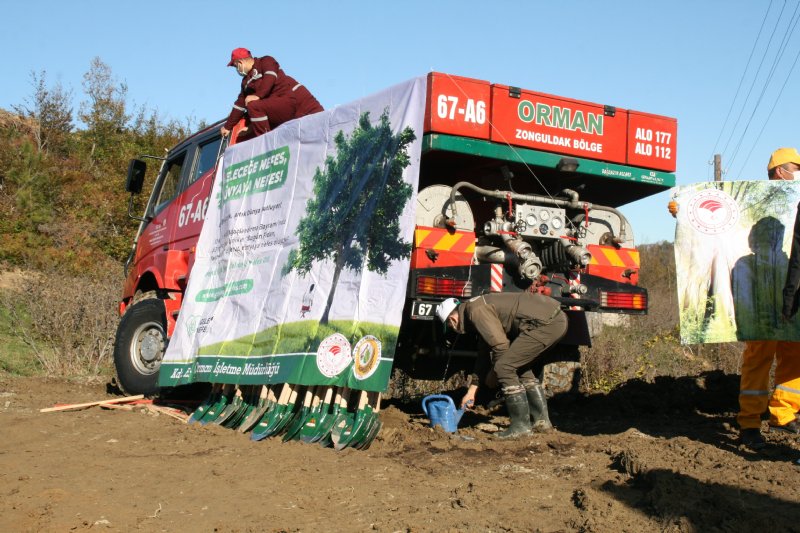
[758, 201]
[354, 216]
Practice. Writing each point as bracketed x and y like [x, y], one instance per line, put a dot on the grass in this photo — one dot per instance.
[16, 356]
[57, 325]
[302, 337]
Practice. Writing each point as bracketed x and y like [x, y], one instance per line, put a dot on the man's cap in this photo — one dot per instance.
[445, 308]
[781, 156]
[239, 53]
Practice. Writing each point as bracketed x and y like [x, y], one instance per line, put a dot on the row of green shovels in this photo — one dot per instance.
[329, 415]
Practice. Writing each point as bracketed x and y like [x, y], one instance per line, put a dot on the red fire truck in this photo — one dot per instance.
[518, 190]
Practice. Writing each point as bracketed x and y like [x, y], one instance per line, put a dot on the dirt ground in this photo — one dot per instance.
[647, 457]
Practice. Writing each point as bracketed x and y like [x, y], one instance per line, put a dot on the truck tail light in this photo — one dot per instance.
[623, 300]
[433, 286]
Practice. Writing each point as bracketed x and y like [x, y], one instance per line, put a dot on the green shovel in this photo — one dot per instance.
[344, 431]
[278, 416]
[362, 442]
[201, 410]
[230, 410]
[266, 400]
[363, 421]
[215, 410]
[339, 416]
[249, 395]
[320, 420]
[301, 416]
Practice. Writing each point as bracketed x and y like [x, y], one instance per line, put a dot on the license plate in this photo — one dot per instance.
[423, 310]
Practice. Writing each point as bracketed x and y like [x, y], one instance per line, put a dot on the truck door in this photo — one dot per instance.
[192, 203]
[159, 230]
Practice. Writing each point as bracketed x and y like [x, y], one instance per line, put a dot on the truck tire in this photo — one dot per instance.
[140, 344]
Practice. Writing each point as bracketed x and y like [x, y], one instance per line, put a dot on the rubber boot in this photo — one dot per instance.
[518, 411]
[537, 403]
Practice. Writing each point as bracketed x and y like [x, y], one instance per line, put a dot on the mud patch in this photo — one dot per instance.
[647, 462]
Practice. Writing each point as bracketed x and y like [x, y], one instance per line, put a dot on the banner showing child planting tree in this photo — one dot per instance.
[732, 247]
[303, 261]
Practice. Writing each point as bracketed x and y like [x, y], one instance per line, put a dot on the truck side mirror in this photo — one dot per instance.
[135, 181]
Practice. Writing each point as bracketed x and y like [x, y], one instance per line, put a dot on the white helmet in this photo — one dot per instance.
[445, 308]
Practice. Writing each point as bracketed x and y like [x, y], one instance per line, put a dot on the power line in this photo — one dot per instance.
[752, 85]
[741, 79]
[769, 115]
[792, 26]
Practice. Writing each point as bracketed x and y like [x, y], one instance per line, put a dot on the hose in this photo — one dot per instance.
[573, 202]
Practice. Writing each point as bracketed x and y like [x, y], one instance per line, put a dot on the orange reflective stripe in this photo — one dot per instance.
[457, 242]
[610, 256]
[443, 240]
[420, 235]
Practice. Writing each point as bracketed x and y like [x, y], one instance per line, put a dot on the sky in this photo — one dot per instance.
[685, 59]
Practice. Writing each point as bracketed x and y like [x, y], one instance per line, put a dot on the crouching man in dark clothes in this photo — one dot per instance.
[514, 329]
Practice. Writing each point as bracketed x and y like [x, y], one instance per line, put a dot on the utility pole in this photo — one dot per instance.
[717, 177]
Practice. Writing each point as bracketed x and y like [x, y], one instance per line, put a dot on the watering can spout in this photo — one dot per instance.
[441, 411]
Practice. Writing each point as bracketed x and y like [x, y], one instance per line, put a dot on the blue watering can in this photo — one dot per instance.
[441, 411]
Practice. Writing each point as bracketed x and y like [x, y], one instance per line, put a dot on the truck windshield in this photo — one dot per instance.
[169, 185]
[206, 159]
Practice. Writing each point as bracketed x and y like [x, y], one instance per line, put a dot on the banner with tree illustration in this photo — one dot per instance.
[732, 247]
[302, 264]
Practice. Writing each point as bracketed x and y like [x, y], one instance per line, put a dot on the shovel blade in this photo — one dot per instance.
[321, 428]
[340, 431]
[255, 416]
[268, 422]
[229, 411]
[356, 430]
[201, 410]
[372, 433]
[215, 410]
[296, 424]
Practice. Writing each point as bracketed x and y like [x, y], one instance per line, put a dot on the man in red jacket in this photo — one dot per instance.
[268, 97]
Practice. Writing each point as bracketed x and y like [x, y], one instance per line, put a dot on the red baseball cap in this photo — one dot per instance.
[239, 53]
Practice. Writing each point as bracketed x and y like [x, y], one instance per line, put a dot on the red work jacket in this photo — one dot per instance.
[265, 79]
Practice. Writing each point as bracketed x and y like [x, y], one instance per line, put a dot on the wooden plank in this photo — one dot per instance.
[167, 411]
[91, 404]
[116, 407]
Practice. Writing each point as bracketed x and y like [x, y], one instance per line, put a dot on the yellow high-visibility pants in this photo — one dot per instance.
[754, 388]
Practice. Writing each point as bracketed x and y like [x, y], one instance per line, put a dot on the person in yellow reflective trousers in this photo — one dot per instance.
[758, 356]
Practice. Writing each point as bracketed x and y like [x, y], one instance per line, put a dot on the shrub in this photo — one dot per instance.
[648, 346]
[67, 322]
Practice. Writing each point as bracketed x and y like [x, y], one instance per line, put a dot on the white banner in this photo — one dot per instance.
[732, 248]
[302, 264]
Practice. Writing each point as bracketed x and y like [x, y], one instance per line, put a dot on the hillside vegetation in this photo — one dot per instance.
[64, 234]
[64, 229]
[62, 194]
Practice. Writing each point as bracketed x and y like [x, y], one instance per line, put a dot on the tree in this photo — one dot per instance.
[354, 215]
[50, 111]
[105, 111]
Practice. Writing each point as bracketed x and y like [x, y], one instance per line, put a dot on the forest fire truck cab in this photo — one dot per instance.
[518, 190]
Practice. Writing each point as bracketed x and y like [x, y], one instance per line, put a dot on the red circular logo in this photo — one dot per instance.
[712, 212]
[333, 355]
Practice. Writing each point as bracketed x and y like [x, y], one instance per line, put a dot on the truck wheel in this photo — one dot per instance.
[140, 345]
